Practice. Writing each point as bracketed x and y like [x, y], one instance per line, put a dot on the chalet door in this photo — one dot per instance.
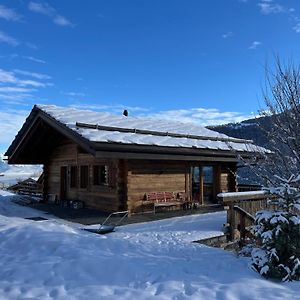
[208, 184]
[203, 184]
[63, 183]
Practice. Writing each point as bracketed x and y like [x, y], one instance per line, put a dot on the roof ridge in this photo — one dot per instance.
[161, 133]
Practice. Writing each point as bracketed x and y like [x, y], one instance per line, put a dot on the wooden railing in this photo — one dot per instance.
[241, 209]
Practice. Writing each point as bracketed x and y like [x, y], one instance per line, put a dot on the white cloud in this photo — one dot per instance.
[201, 116]
[227, 35]
[9, 14]
[62, 21]
[297, 28]
[45, 9]
[254, 45]
[31, 46]
[32, 74]
[16, 56]
[268, 7]
[11, 121]
[9, 77]
[14, 89]
[5, 38]
[42, 8]
[33, 83]
[15, 98]
[74, 94]
[34, 59]
[113, 108]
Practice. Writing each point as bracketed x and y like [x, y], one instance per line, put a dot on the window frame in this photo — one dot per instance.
[98, 178]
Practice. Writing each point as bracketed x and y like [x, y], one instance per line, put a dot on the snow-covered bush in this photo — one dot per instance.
[278, 234]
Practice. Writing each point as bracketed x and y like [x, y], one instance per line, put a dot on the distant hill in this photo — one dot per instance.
[249, 129]
[252, 129]
[12, 173]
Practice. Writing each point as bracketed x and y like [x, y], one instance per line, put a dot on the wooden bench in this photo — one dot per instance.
[163, 200]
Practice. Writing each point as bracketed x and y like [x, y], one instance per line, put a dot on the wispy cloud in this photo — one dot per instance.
[32, 74]
[17, 56]
[62, 21]
[227, 35]
[34, 59]
[74, 94]
[15, 89]
[297, 28]
[41, 8]
[11, 121]
[113, 108]
[9, 14]
[270, 7]
[9, 77]
[45, 9]
[5, 38]
[31, 46]
[254, 45]
[201, 116]
[15, 98]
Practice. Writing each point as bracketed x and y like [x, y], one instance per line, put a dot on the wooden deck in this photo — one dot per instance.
[93, 216]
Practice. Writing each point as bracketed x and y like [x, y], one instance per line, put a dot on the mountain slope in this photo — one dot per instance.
[252, 129]
[13, 173]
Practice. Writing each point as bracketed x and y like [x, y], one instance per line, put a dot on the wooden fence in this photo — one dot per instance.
[241, 209]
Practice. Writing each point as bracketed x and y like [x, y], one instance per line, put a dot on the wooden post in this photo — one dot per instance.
[188, 182]
[122, 184]
[45, 182]
[232, 180]
[201, 186]
[217, 181]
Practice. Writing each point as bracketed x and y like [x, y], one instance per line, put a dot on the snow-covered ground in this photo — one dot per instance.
[13, 173]
[54, 259]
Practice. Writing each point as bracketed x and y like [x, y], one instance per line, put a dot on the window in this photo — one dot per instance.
[100, 175]
[84, 176]
[208, 174]
[73, 176]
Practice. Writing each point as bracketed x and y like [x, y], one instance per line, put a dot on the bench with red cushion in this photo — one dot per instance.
[163, 199]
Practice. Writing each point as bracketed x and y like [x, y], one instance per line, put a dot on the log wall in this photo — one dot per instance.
[145, 176]
[155, 176]
[104, 197]
[129, 180]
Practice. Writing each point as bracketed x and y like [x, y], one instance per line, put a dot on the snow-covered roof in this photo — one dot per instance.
[109, 128]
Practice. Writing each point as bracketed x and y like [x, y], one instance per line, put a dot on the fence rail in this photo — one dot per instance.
[241, 209]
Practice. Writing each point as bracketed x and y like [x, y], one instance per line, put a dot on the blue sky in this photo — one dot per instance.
[200, 61]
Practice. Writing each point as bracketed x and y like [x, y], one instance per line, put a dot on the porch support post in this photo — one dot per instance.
[201, 186]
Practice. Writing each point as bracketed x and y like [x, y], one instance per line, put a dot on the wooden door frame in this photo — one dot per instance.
[216, 184]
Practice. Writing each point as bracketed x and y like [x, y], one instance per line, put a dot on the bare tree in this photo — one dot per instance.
[282, 99]
[278, 231]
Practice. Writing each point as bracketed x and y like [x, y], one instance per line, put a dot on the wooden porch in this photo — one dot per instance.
[88, 216]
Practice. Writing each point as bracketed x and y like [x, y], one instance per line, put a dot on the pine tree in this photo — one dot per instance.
[278, 233]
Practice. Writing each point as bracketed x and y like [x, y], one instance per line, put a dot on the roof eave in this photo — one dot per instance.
[35, 114]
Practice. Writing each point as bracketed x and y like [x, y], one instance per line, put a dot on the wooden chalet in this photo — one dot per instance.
[127, 163]
[29, 186]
